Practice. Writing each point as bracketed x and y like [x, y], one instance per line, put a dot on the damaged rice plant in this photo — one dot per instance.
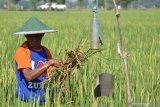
[73, 59]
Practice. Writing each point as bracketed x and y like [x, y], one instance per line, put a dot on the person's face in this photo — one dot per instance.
[34, 40]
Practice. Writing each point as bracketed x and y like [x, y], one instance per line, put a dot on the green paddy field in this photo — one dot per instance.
[141, 31]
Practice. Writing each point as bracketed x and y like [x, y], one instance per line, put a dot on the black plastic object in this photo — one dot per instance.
[104, 85]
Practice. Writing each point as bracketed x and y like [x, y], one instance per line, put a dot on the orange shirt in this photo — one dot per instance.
[22, 56]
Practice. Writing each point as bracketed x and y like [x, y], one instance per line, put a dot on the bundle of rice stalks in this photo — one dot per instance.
[73, 59]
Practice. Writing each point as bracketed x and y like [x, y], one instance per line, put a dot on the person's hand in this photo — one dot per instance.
[55, 62]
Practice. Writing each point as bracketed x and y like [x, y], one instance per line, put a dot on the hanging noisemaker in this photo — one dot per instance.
[95, 30]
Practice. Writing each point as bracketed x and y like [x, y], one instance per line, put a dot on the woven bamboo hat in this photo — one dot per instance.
[34, 26]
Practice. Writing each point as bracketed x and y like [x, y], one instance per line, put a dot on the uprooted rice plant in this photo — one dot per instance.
[73, 59]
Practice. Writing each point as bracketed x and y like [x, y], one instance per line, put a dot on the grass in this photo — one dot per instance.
[141, 31]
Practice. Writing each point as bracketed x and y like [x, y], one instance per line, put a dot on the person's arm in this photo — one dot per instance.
[33, 74]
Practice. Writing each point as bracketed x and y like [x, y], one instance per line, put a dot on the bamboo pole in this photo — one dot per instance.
[123, 54]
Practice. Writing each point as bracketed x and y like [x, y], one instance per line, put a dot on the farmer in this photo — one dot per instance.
[32, 62]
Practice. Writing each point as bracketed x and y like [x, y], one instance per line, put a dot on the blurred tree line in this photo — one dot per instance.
[107, 4]
[102, 3]
[35, 2]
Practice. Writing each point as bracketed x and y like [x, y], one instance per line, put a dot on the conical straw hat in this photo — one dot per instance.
[34, 26]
